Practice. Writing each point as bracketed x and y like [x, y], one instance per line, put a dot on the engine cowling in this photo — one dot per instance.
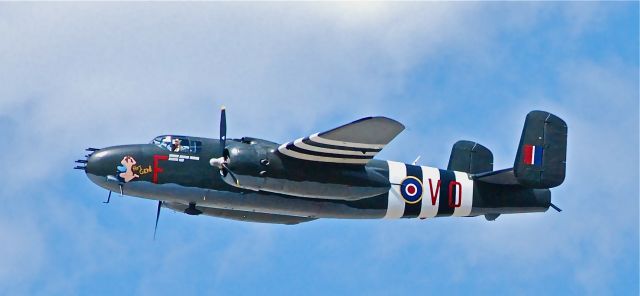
[258, 166]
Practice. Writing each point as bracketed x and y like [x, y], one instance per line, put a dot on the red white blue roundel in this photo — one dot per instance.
[411, 190]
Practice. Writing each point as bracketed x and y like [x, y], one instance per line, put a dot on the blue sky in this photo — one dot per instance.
[79, 75]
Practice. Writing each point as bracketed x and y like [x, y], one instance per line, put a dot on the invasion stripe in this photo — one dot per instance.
[319, 139]
[430, 197]
[466, 205]
[413, 210]
[395, 204]
[443, 208]
[303, 156]
[299, 143]
[323, 154]
[338, 147]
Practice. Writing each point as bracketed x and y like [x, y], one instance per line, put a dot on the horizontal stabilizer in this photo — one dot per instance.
[501, 177]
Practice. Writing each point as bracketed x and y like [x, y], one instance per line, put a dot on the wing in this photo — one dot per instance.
[353, 143]
[242, 215]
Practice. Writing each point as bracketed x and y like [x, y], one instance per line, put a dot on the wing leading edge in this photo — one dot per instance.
[353, 143]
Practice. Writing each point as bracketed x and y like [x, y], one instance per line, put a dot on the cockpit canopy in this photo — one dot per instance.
[180, 144]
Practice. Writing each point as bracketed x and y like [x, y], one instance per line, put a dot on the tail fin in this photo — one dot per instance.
[470, 157]
[542, 154]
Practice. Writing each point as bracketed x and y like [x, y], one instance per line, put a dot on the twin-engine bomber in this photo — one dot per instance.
[332, 174]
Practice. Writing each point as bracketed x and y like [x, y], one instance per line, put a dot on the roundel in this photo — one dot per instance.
[411, 190]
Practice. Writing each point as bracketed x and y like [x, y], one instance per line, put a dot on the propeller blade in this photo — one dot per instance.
[223, 130]
[556, 208]
[233, 176]
[157, 218]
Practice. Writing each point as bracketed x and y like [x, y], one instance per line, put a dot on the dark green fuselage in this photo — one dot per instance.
[274, 188]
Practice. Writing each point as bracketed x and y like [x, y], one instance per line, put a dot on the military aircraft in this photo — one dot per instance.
[332, 174]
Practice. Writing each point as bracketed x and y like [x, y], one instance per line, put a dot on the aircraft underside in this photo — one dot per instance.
[265, 207]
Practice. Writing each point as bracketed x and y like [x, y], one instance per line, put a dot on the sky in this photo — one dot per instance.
[101, 74]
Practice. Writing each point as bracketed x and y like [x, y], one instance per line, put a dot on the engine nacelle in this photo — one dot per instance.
[258, 166]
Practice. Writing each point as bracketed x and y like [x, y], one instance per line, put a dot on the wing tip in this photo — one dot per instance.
[385, 119]
[391, 120]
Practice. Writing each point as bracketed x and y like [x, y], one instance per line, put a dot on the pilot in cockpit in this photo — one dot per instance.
[176, 147]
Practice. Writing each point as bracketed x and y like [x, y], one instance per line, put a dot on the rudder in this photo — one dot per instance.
[542, 153]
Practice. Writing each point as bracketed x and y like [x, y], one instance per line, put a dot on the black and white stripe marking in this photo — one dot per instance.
[412, 210]
[316, 148]
[444, 193]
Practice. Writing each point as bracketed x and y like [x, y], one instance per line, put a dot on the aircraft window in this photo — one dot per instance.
[177, 144]
[195, 147]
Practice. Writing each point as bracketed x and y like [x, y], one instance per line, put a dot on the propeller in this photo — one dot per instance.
[223, 130]
[222, 162]
[157, 218]
[228, 171]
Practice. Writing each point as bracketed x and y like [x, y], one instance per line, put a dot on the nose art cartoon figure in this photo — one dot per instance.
[125, 172]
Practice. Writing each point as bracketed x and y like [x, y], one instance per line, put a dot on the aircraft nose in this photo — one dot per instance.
[104, 162]
[99, 160]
